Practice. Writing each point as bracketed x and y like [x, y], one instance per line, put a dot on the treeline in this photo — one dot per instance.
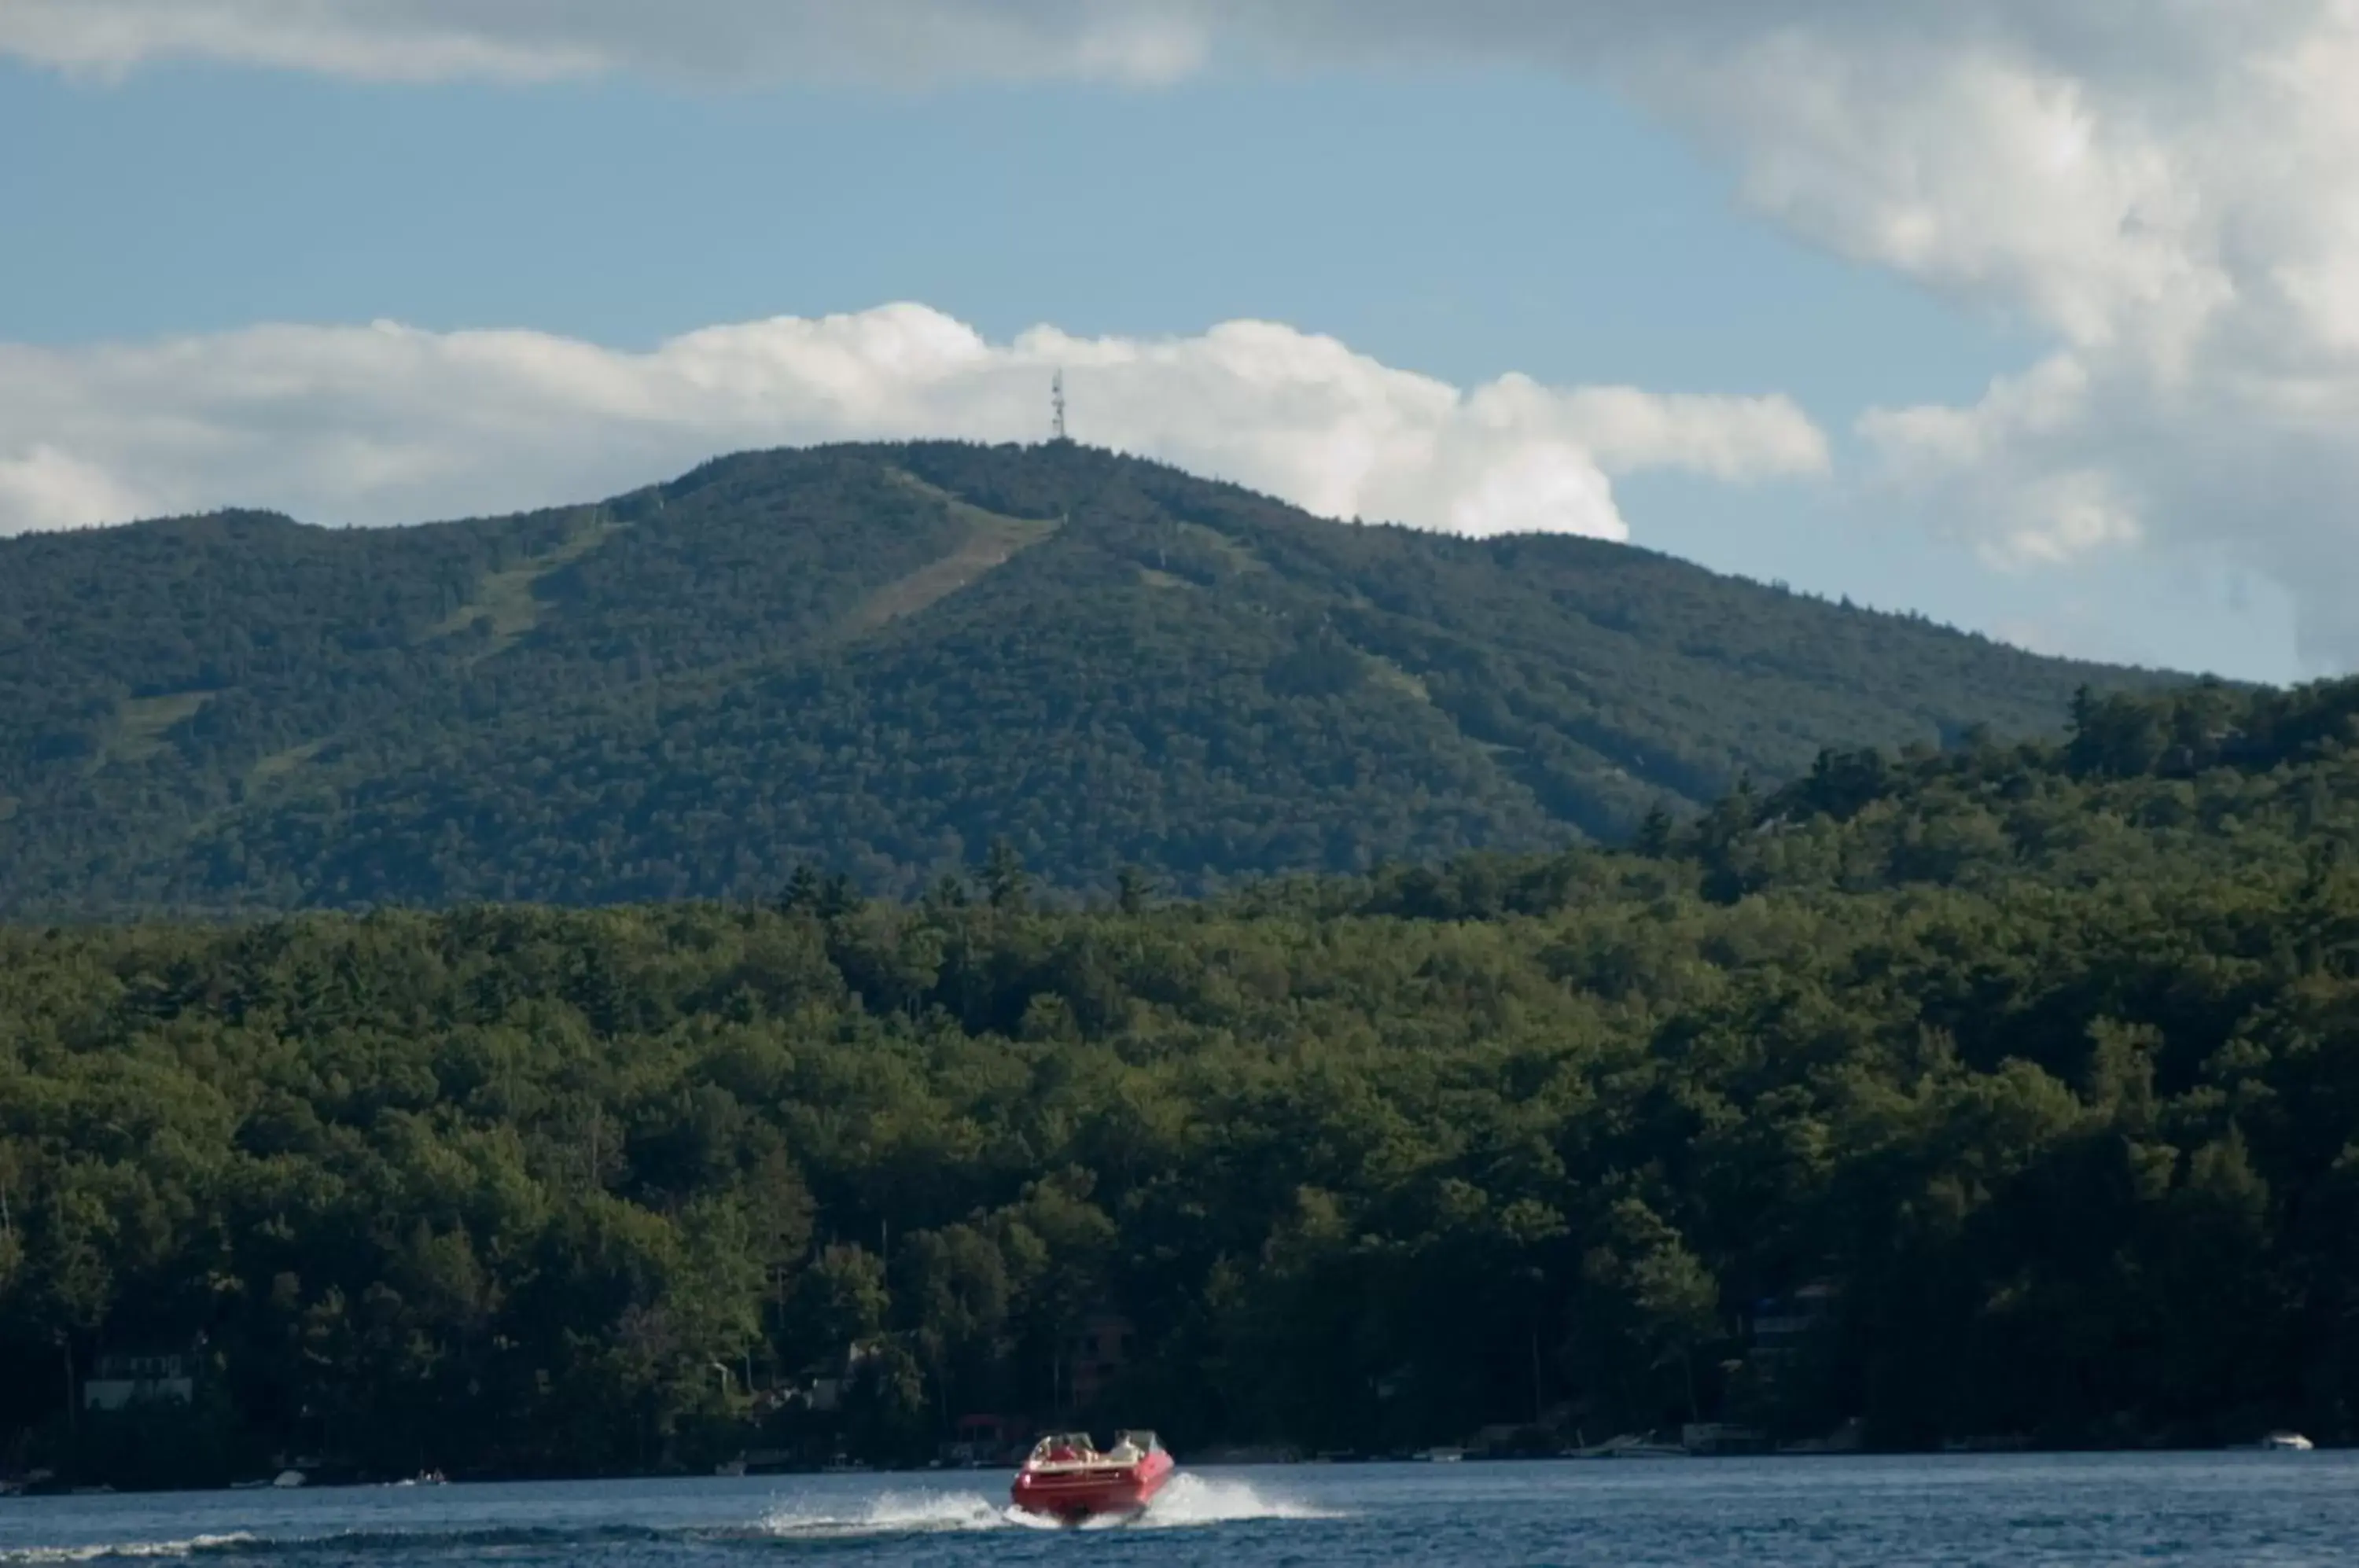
[2031, 1068]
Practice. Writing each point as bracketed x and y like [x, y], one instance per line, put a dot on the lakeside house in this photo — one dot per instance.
[1780, 1323]
[121, 1382]
[983, 1439]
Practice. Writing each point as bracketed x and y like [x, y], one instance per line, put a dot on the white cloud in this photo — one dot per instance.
[45, 488]
[730, 40]
[2168, 189]
[387, 423]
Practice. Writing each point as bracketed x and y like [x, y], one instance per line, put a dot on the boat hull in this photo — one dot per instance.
[1094, 1491]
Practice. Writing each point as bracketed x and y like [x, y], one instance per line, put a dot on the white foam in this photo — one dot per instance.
[1190, 1500]
[104, 1550]
[896, 1513]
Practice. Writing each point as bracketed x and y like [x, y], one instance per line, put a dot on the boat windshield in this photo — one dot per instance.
[1064, 1448]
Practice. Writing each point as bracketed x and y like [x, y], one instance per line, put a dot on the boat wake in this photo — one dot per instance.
[128, 1550]
[1188, 1502]
[342, 1545]
[1191, 1499]
[893, 1513]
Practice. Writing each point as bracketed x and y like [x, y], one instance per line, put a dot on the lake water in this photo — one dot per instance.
[2232, 1508]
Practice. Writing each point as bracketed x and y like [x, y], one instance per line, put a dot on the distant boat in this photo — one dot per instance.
[2287, 1442]
[286, 1479]
[1630, 1447]
[1442, 1455]
[730, 1467]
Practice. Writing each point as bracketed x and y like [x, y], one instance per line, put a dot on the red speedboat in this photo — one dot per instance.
[1068, 1479]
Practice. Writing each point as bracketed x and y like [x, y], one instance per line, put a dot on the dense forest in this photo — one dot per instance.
[1999, 1092]
[879, 659]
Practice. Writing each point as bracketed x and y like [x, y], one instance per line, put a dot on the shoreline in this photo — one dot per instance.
[1217, 1461]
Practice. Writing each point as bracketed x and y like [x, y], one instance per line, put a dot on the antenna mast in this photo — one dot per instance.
[1057, 405]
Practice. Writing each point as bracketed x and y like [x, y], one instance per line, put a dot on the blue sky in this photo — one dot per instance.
[1461, 222]
[1439, 224]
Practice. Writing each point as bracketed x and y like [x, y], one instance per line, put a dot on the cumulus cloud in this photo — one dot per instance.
[388, 423]
[2168, 189]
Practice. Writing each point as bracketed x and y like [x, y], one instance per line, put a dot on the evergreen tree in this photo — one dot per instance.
[1005, 885]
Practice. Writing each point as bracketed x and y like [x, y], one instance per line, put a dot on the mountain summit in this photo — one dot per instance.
[877, 660]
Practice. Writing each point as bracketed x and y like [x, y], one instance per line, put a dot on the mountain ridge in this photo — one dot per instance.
[879, 657]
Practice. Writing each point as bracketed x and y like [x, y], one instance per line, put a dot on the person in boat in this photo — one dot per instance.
[1070, 1448]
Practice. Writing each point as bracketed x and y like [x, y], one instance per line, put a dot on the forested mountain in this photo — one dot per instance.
[877, 660]
[2005, 1094]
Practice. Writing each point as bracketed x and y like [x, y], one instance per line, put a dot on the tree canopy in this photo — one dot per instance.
[2008, 1092]
[876, 659]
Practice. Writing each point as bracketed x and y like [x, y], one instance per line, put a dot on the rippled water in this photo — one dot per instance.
[2243, 1509]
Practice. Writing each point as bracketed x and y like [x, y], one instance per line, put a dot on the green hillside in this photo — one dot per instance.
[2008, 1095]
[877, 661]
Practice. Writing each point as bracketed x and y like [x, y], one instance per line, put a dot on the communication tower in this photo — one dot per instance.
[1057, 405]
